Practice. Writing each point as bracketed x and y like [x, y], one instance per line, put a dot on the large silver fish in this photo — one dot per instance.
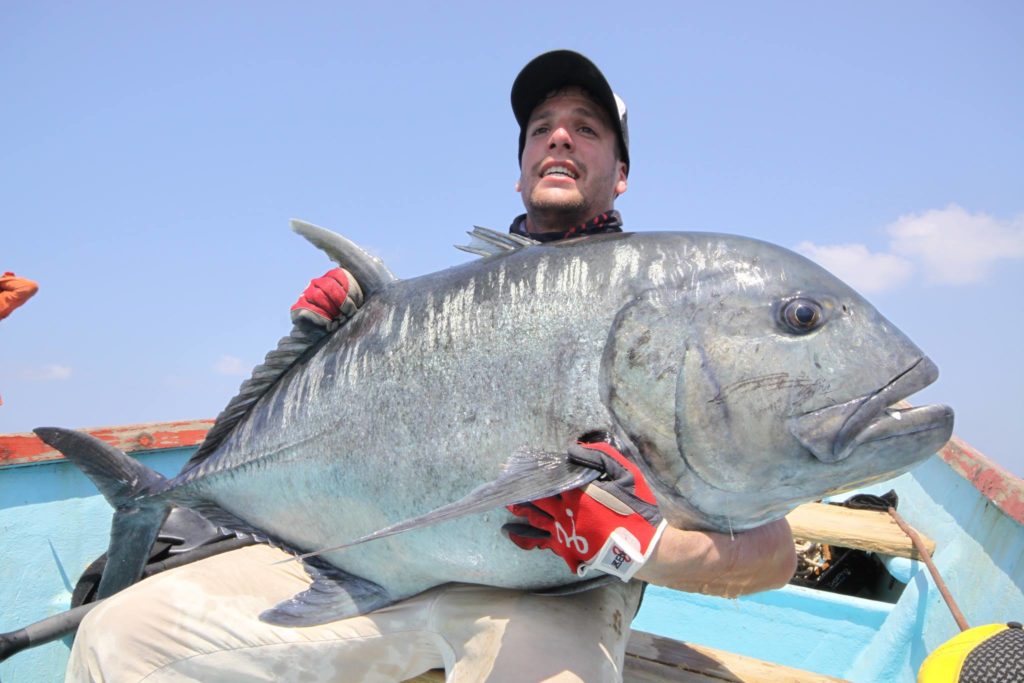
[743, 378]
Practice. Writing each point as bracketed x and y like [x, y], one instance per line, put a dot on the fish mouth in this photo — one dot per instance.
[832, 434]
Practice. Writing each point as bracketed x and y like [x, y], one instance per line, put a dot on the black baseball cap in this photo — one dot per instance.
[557, 69]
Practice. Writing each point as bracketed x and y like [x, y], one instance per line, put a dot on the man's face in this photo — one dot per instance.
[569, 169]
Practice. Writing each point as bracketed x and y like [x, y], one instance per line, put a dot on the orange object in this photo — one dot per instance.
[14, 291]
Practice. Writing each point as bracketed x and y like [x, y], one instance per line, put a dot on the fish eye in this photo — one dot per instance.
[802, 315]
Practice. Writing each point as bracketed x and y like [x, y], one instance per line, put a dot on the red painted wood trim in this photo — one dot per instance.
[23, 449]
[1004, 489]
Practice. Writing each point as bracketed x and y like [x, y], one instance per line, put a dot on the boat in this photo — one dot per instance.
[967, 509]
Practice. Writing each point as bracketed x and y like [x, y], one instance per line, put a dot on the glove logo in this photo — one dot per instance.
[578, 543]
[621, 557]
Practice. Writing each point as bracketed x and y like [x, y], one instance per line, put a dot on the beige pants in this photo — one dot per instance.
[200, 623]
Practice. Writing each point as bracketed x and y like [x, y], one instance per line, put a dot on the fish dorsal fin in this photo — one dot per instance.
[264, 376]
[371, 274]
[487, 242]
[369, 271]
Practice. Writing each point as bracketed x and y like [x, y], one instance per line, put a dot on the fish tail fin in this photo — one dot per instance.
[125, 483]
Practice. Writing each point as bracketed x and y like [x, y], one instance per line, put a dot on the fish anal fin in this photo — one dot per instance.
[334, 594]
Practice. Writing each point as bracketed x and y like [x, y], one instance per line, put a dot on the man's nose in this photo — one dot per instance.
[560, 138]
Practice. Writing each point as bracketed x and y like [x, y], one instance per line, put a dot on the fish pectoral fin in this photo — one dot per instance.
[528, 475]
[334, 594]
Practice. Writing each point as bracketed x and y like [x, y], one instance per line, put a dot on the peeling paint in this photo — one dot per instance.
[1005, 490]
[26, 449]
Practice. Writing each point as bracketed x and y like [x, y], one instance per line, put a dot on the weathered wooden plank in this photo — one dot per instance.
[656, 659]
[647, 671]
[24, 449]
[863, 529]
[652, 654]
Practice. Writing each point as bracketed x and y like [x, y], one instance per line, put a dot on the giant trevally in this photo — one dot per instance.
[741, 377]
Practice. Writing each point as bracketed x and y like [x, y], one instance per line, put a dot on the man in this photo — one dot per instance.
[199, 622]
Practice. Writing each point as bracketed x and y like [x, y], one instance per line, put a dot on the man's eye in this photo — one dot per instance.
[588, 130]
[540, 130]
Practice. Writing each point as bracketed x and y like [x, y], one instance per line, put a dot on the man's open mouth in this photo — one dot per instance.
[559, 170]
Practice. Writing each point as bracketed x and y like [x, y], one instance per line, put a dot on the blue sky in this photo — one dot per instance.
[153, 153]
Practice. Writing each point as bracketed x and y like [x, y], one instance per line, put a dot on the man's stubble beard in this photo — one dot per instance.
[558, 215]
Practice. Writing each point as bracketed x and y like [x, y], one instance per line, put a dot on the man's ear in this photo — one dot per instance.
[621, 185]
[519, 186]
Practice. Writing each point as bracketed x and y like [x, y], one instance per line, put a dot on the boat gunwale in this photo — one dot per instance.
[19, 449]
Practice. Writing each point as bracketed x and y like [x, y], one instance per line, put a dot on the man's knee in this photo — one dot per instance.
[110, 644]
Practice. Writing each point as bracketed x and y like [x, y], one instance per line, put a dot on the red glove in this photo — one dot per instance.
[329, 300]
[612, 525]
